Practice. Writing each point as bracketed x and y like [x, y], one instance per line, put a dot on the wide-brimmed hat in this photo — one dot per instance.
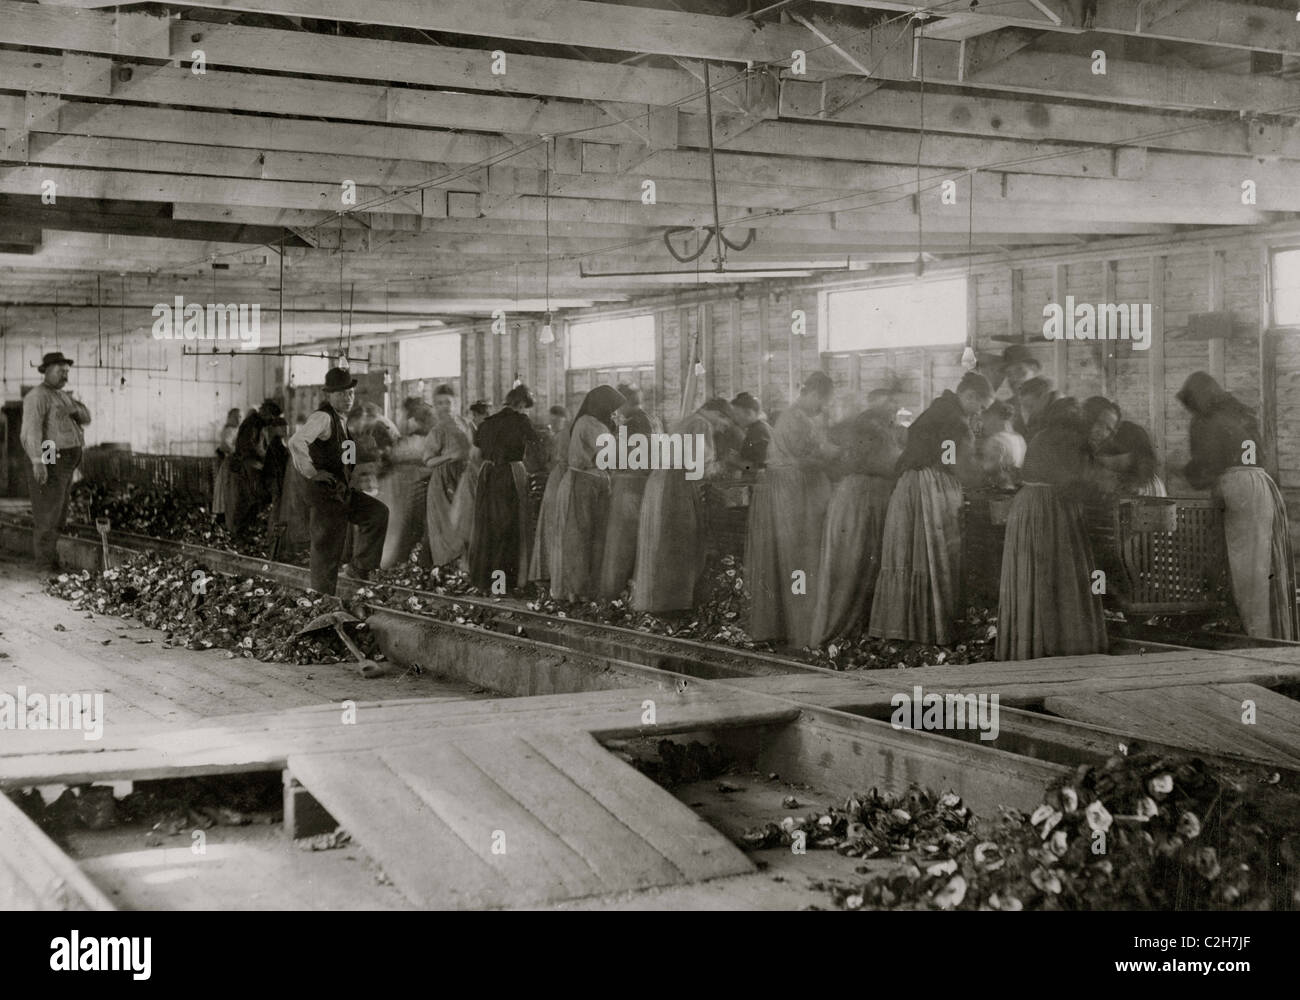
[338, 379]
[53, 358]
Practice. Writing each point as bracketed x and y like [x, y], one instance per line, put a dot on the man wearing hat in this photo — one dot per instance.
[323, 451]
[1018, 366]
[53, 439]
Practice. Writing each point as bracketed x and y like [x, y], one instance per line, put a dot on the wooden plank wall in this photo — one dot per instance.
[1178, 281]
[179, 411]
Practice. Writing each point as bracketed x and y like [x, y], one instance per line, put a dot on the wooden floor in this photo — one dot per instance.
[498, 802]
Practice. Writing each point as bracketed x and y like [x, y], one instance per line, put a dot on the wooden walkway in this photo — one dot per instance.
[480, 821]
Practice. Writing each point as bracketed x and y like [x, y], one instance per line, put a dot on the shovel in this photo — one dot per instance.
[339, 621]
[102, 525]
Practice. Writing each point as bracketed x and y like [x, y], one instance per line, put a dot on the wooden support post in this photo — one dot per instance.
[1218, 354]
[1156, 359]
[735, 346]
[972, 306]
[1060, 352]
[1109, 364]
[704, 323]
[793, 345]
[303, 815]
[480, 358]
[1015, 327]
[1267, 366]
[661, 369]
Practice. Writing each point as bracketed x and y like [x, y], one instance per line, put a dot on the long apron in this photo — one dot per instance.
[1046, 606]
[855, 525]
[1260, 561]
[918, 591]
[671, 544]
[627, 491]
[500, 536]
[783, 553]
[582, 514]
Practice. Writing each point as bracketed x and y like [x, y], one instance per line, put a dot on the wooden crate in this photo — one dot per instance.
[1176, 571]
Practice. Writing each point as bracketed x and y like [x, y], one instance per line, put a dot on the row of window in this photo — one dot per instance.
[919, 314]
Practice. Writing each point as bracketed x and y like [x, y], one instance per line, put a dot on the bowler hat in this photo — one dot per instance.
[1019, 354]
[338, 379]
[53, 358]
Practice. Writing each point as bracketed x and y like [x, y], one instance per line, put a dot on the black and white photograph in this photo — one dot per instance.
[651, 455]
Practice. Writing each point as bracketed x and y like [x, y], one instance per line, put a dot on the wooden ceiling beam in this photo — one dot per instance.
[1193, 22]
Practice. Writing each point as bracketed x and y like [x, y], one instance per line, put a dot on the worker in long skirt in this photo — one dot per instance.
[323, 453]
[53, 439]
[1122, 447]
[626, 492]
[787, 518]
[582, 501]
[855, 525]
[465, 501]
[225, 448]
[245, 490]
[539, 567]
[446, 450]
[1046, 604]
[1228, 458]
[671, 535]
[502, 532]
[918, 591]
[275, 463]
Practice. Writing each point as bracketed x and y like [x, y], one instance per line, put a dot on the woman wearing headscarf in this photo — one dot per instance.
[918, 589]
[626, 493]
[446, 447]
[671, 536]
[501, 533]
[855, 524]
[582, 501]
[1227, 458]
[1046, 604]
[786, 520]
[558, 461]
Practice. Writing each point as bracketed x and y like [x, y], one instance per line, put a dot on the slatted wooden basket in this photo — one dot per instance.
[1181, 570]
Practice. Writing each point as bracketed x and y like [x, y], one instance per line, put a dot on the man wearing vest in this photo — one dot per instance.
[325, 454]
[53, 439]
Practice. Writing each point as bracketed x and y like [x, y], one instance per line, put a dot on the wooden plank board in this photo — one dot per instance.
[35, 874]
[401, 832]
[496, 821]
[1272, 709]
[172, 751]
[1193, 716]
[689, 843]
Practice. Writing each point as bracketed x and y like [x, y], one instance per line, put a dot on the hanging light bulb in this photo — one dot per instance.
[699, 368]
[547, 336]
[968, 359]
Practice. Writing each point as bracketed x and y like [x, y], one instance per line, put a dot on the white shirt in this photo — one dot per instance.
[317, 428]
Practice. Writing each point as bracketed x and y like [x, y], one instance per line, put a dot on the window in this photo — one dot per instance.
[1286, 288]
[307, 370]
[918, 314]
[610, 343]
[436, 356]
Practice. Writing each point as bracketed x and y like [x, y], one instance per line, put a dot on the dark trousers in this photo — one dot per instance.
[50, 507]
[330, 520]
